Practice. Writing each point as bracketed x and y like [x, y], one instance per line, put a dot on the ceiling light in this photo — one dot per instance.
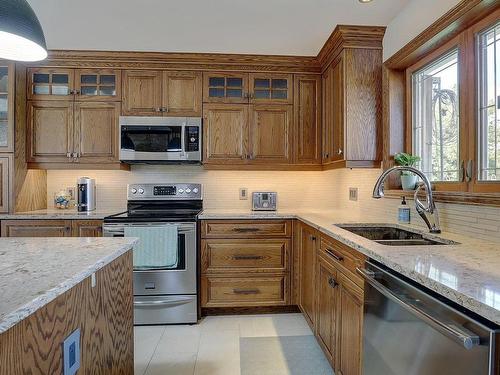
[21, 35]
[365, 1]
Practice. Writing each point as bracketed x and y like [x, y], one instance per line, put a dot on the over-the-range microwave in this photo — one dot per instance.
[157, 140]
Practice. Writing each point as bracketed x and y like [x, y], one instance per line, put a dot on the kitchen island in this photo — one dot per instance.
[52, 287]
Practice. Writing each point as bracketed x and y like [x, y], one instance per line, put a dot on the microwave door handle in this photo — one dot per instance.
[466, 339]
[183, 138]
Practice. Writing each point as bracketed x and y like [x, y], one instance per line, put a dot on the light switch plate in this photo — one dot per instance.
[243, 194]
[71, 353]
[353, 194]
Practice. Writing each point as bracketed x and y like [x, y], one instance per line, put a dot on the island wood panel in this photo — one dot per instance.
[270, 133]
[246, 228]
[104, 315]
[96, 132]
[245, 255]
[307, 119]
[225, 133]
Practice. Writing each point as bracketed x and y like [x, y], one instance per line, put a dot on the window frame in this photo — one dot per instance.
[457, 43]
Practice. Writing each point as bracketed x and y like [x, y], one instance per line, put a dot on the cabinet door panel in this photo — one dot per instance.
[271, 88]
[338, 105]
[182, 94]
[270, 133]
[7, 93]
[307, 261]
[36, 228]
[50, 83]
[307, 124]
[225, 87]
[326, 307]
[50, 131]
[86, 228]
[96, 132]
[5, 185]
[225, 133]
[142, 92]
[98, 85]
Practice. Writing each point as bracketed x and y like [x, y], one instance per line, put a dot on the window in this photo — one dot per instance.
[435, 118]
[488, 52]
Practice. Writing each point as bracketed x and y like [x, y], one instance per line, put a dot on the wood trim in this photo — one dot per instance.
[452, 23]
[459, 197]
[346, 36]
[265, 167]
[180, 61]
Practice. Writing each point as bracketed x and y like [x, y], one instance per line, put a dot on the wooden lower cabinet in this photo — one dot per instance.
[50, 228]
[245, 263]
[326, 308]
[6, 161]
[308, 242]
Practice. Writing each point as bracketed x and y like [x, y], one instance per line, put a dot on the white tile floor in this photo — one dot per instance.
[210, 347]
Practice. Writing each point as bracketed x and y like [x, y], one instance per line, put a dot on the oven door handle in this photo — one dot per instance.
[162, 303]
[465, 338]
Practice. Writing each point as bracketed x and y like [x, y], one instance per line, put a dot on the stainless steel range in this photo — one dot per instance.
[164, 218]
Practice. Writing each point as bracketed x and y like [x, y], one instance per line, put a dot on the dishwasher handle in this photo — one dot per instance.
[467, 339]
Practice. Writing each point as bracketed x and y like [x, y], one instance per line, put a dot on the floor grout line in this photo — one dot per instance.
[154, 351]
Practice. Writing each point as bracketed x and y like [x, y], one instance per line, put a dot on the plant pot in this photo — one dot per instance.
[408, 181]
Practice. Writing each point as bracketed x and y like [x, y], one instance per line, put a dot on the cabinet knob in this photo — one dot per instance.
[164, 109]
[68, 154]
[332, 282]
[313, 238]
[340, 152]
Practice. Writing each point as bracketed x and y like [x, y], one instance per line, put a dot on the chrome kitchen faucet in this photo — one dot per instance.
[427, 212]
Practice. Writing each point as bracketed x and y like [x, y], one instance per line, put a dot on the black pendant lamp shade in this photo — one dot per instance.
[21, 35]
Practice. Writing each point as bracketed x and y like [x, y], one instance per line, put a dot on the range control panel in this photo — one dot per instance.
[164, 191]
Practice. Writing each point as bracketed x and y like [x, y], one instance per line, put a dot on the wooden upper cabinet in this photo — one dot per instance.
[95, 132]
[352, 86]
[98, 85]
[7, 94]
[142, 95]
[225, 87]
[307, 263]
[5, 182]
[36, 228]
[51, 84]
[271, 88]
[50, 131]
[182, 94]
[225, 133]
[307, 119]
[270, 133]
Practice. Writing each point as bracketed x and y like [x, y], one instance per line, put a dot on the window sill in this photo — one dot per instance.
[476, 199]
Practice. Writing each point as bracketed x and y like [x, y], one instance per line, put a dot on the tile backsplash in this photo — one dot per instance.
[300, 190]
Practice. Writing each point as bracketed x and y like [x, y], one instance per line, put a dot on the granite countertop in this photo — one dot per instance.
[58, 214]
[467, 273]
[35, 271]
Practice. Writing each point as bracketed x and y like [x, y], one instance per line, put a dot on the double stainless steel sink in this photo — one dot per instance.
[393, 235]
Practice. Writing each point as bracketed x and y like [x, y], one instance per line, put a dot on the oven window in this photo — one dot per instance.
[151, 138]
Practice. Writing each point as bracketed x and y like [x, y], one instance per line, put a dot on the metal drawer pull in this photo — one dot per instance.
[247, 257]
[246, 291]
[467, 339]
[338, 258]
[243, 230]
[332, 282]
[175, 302]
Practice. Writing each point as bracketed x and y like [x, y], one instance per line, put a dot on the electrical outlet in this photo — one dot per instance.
[243, 194]
[353, 194]
[71, 353]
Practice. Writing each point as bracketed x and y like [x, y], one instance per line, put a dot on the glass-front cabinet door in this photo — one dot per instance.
[50, 83]
[225, 87]
[98, 85]
[271, 88]
[6, 108]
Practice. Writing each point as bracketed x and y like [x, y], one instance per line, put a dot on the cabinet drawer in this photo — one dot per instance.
[244, 291]
[341, 255]
[245, 255]
[246, 228]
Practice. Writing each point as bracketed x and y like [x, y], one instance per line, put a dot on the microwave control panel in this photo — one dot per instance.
[192, 138]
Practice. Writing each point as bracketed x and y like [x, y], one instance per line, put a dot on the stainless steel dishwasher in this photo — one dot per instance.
[408, 331]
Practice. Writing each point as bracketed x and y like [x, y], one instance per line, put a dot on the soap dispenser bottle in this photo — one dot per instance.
[404, 212]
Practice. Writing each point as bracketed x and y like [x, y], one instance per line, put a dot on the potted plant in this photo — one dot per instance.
[408, 179]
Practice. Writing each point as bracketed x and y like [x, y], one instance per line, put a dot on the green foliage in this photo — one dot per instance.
[406, 160]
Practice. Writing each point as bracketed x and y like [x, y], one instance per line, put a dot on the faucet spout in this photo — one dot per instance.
[428, 212]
